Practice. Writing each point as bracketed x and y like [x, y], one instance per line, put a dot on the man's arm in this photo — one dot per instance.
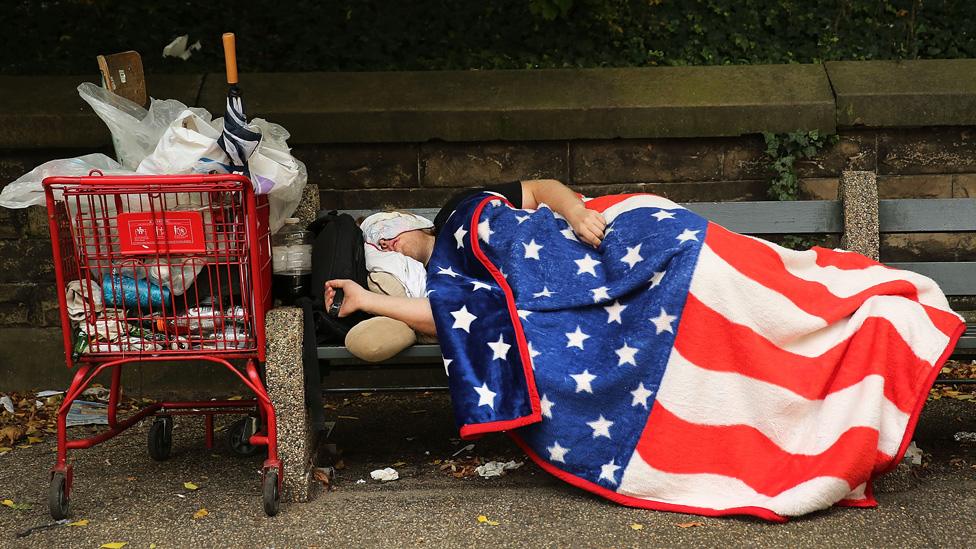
[589, 225]
[414, 311]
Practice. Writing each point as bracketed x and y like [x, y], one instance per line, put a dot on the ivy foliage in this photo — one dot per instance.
[63, 36]
[783, 150]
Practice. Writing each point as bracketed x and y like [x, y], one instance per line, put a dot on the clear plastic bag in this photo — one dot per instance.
[27, 190]
[135, 130]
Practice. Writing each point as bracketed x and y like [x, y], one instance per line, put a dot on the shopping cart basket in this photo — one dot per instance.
[163, 268]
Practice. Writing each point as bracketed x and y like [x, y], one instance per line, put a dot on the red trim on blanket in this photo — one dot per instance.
[929, 379]
[473, 431]
[536, 415]
[631, 501]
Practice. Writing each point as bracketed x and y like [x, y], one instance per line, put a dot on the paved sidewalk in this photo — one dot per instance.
[127, 497]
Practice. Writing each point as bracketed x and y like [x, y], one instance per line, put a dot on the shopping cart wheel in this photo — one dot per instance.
[239, 436]
[161, 438]
[270, 493]
[57, 497]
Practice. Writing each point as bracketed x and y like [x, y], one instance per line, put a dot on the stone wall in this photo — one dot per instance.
[916, 160]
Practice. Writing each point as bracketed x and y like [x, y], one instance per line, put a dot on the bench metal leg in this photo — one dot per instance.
[286, 388]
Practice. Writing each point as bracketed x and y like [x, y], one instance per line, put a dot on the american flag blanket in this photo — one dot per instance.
[681, 366]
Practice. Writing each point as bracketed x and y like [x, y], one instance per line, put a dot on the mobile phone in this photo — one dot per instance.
[336, 302]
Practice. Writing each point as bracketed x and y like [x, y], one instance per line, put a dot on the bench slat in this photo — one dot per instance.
[416, 351]
[934, 215]
[958, 278]
[770, 217]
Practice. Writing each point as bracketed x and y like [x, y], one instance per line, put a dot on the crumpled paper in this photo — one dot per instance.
[496, 468]
[385, 475]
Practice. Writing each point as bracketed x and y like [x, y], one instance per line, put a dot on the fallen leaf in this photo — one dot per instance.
[130, 479]
[152, 546]
[399, 463]
[17, 506]
[235, 397]
[114, 545]
[322, 476]
[636, 526]
[34, 440]
[201, 513]
[339, 465]
[484, 520]
[689, 524]
[82, 522]
[11, 433]
[190, 486]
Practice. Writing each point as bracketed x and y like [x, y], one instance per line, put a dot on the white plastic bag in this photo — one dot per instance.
[188, 138]
[135, 130]
[189, 145]
[27, 190]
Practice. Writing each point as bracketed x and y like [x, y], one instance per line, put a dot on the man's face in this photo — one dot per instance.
[408, 243]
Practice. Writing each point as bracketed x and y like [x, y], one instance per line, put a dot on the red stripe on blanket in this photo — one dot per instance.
[742, 452]
[876, 345]
[761, 263]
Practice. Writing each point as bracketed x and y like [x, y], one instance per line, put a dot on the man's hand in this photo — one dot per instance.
[355, 298]
[589, 225]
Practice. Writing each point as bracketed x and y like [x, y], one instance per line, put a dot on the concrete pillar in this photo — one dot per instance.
[859, 195]
[308, 207]
[286, 387]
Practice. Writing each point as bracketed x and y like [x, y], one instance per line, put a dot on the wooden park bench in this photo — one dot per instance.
[858, 217]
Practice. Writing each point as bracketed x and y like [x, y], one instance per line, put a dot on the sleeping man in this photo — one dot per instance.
[642, 352]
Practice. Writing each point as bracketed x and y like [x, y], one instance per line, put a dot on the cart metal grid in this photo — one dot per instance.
[163, 268]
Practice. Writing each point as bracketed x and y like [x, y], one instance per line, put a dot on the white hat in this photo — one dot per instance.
[387, 225]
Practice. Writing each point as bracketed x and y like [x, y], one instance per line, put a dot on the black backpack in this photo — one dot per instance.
[337, 252]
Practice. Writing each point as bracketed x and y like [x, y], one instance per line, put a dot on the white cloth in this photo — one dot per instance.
[78, 302]
[389, 224]
[410, 272]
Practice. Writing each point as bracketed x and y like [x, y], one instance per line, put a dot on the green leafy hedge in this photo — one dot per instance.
[63, 36]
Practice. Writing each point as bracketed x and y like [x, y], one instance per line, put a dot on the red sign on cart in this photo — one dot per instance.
[173, 232]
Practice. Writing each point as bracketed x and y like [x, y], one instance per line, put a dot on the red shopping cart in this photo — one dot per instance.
[163, 268]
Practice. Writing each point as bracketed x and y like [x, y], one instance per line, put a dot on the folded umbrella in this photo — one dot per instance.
[236, 139]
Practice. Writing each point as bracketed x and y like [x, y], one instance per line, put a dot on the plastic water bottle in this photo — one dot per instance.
[291, 252]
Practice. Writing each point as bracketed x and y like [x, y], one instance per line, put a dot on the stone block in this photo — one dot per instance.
[915, 186]
[533, 105]
[12, 223]
[859, 194]
[703, 191]
[285, 378]
[819, 188]
[26, 260]
[475, 164]
[928, 247]
[647, 160]
[379, 199]
[964, 185]
[745, 158]
[32, 358]
[360, 166]
[37, 224]
[927, 151]
[15, 303]
[904, 93]
[855, 150]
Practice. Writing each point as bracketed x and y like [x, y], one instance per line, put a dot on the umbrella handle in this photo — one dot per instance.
[230, 57]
